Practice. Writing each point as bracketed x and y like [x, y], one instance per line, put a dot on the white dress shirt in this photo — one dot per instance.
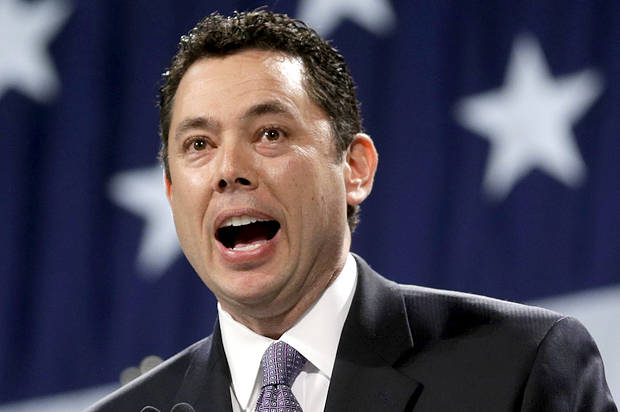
[315, 335]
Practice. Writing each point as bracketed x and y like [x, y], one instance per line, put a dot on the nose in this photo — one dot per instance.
[235, 169]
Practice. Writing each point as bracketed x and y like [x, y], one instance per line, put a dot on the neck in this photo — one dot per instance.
[274, 324]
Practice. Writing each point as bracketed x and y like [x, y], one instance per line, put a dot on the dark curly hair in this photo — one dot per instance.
[326, 77]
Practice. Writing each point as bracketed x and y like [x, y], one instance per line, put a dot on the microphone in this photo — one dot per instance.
[182, 407]
[179, 407]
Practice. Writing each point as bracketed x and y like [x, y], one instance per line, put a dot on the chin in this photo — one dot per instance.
[250, 288]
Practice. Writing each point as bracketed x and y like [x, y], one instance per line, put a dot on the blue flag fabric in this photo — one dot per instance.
[497, 124]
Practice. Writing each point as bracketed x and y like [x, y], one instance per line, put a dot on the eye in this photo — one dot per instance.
[199, 144]
[271, 134]
[196, 144]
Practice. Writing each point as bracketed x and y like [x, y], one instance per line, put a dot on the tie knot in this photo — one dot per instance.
[281, 364]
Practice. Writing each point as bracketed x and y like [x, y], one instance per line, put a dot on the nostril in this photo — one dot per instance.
[222, 184]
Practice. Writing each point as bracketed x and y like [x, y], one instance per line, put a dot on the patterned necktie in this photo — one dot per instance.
[281, 364]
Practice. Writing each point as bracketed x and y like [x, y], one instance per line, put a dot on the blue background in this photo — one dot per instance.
[76, 310]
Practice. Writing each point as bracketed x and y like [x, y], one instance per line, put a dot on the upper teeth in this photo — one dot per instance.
[241, 220]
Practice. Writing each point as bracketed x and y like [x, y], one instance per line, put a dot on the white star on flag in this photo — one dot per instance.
[142, 192]
[528, 121]
[26, 29]
[376, 16]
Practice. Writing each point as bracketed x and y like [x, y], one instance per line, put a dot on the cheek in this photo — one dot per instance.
[309, 185]
[188, 213]
[299, 177]
[321, 186]
[189, 199]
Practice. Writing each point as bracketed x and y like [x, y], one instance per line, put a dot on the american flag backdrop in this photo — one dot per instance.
[497, 125]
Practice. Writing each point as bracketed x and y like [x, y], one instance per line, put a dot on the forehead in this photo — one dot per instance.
[248, 71]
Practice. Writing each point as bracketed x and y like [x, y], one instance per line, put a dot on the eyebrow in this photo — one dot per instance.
[269, 107]
[198, 122]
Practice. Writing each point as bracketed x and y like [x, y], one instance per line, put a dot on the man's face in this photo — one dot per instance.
[257, 192]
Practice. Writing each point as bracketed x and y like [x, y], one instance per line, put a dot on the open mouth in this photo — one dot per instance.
[246, 232]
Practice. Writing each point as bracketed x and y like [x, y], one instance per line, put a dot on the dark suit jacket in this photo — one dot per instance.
[408, 348]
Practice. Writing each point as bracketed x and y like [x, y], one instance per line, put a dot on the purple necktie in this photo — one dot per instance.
[281, 364]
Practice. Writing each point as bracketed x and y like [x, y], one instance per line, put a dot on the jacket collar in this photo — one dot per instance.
[375, 339]
[206, 385]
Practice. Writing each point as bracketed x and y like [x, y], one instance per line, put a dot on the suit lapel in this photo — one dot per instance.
[206, 385]
[375, 339]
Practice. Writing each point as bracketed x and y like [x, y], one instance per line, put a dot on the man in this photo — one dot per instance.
[266, 165]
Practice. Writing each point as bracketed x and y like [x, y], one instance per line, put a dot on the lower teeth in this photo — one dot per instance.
[246, 247]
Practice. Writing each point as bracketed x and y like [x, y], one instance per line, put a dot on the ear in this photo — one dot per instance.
[168, 184]
[361, 165]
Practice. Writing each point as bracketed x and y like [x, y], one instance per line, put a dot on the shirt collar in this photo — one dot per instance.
[315, 335]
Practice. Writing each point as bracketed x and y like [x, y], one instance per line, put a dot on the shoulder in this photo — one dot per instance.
[486, 327]
[440, 312]
[436, 314]
[568, 358]
[159, 385]
[512, 353]
[454, 330]
[517, 354]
